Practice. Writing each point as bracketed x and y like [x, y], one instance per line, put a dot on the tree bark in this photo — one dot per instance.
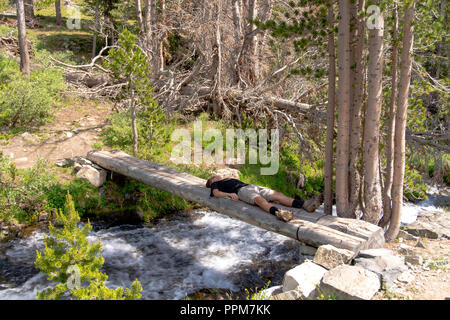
[147, 26]
[357, 93]
[400, 124]
[58, 12]
[442, 44]
[140, 17]
[372, 191]
[29, 10]
[391, 126]
[329, 154]
[238, 36]
[343, 101]
[23, 46]
[253, 48]
[134, 125]
[155, 38]
[162, 36]
[96, 25]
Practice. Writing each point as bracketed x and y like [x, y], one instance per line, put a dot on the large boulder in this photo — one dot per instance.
[330, 257]
[304, 279]
[350, 283]
[94, 176]
[433, 225]
[388, 267]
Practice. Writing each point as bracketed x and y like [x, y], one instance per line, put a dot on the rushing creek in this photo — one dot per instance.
[180, 255]
[189, 252]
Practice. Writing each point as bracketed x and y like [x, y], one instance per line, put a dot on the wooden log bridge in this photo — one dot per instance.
[313, 229]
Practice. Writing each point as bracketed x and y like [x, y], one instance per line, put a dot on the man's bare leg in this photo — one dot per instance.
[282, 199]
[263, 204]
[269, 208]
[309, 205]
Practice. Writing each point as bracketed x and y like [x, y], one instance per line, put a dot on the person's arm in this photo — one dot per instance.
[220, 194]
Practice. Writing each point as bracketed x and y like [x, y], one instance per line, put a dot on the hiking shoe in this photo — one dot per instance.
[312, 204]
[284, 215]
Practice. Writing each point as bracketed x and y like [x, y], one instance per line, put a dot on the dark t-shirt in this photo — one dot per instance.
[228, 186]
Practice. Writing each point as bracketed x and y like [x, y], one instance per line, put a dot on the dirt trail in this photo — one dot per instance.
[73, 132]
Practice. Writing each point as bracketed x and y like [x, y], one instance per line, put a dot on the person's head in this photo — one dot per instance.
[212, 180]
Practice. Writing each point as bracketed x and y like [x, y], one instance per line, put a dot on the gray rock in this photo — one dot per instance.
[64, 162]
[350, 283]
[288, 295]
[406, 277]
[306, 250]
[92, 175]
[414, 260]
[304, 279]
[388, 267]
[421, 244]
[76, 167]
[372, 253]
[431, 225]
[330, 257]
[83, 161]
[407, 236]
[43, 217]
[270, 292]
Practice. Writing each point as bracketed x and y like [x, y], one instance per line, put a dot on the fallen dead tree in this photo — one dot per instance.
[10, 45]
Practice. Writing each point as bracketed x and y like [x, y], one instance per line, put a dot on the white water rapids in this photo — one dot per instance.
[179, 256]
[198, 250]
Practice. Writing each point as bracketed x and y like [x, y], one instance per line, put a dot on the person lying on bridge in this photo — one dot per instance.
[260, 196]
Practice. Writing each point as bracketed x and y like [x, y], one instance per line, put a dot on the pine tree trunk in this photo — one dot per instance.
[343, 101]
[391, 127]
[134, 125]
[329, 154]
[29, 10]
[357, 92]
[140, 17]
[148, 27]
[23, 46]
[162, 36]
[58, 12]
[400, 124]
[253, 48]
[96, 25]
[442, 44]
[237, 37]
[372, 187]
[155, 38]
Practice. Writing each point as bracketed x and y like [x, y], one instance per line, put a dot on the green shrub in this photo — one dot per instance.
[26, 193]
[25, 103]
[22, 192]
[84, 194]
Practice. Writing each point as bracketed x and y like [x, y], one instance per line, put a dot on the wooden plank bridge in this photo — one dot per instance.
[313, 229]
